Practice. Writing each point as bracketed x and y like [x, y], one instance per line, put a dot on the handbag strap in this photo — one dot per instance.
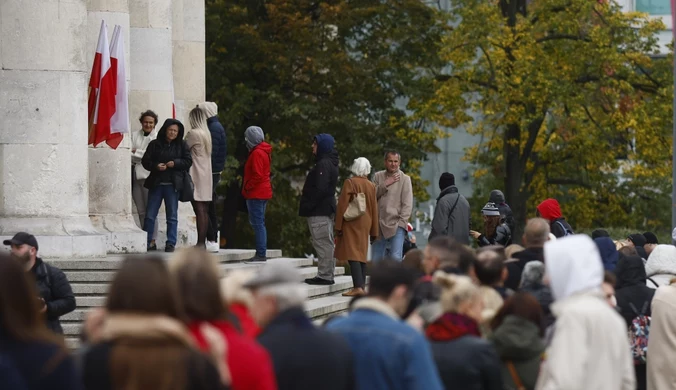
[515, 375]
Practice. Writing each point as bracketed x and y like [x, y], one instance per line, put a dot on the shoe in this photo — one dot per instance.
[319, 281]
[355, 292]
[169, 248]
[212, 247]
[201, 246]
[152, 247]
[256, 260]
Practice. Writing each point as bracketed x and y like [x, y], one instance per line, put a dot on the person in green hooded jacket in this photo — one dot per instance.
[518, 339]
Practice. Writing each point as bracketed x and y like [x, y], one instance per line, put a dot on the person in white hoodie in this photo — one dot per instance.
[589, 348]
[139, 142]
[661, 266]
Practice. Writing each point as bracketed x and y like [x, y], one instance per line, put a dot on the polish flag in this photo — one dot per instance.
[173, 99]
[101, 91]
[119, 123]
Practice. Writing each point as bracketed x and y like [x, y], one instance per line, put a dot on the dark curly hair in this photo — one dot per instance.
[149, 113]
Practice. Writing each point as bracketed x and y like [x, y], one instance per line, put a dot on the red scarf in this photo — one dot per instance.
[452, 326]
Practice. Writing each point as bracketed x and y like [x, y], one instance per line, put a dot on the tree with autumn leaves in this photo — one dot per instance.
[573, 102]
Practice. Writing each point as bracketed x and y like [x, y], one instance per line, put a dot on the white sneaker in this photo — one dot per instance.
[212, 247]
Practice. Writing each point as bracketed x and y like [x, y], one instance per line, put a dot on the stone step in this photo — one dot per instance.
[113, 262]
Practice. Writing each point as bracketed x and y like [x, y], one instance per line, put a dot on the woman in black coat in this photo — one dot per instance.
[168, 159]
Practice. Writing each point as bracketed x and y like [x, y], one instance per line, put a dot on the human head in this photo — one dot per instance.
[361, 167]
[650, 242]
[196, 277]
[491, 217]
[413, 259]
[323, 144]
[392, 161]
[599, 233]
[171, 131]
[233, 290]
[630, 271]
[608, 288]
[512, 249]
[459, 295]
[549, 209]
[148, 121]
[636, 239]
[489, 268]
[210, 108]
[497, 197]
[522, 305]
[143, 286]
[533, 274]
[276, 289]
[627, 250]
[609, 254]
[444, 252]
[393, 283]
[536, 233]
[446, 180]
[253, 136]
[24, 247]
[662, 260]
[573, 265]
[198, 125]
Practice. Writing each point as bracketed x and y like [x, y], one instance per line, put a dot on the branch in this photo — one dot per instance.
[443, 78]
[591, 118]
[533, 131]
[559, 37]
[564, 181]
[490, 63]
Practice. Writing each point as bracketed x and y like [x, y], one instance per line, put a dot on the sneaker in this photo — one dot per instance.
[256, 260]
[169, 248]
[319, 281]
[212, 247]
[152, 247]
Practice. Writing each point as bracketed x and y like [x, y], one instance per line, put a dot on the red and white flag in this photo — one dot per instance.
[101, 91]
[119, 123]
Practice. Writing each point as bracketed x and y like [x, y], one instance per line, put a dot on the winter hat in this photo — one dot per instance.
[253, 136]
[446, 180]
[650, 238]
[637, 239]
[490, 210]
[600, 233]
[550, 209]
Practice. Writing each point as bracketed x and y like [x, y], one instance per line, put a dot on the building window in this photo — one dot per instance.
[654, 7]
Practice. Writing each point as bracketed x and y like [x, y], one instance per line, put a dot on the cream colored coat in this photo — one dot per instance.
[662, 341]
[140, 143]
[200, 169]
[395, 203]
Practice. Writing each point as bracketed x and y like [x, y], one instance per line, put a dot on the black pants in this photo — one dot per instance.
[358, 270]
[212, 230]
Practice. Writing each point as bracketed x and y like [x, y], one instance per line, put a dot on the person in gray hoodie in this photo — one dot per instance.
[452, 214]
[498, 198]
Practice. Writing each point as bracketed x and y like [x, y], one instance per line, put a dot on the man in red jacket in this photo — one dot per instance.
[257, 189]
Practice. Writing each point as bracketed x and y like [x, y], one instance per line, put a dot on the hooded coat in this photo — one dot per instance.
[257, 183]
[662, 342]
[551, 211]
[319, 192]
[589, 349]
[518, 340]
[608, 251]
[449, 221]
[631, 288]
[661, 265]
[506, 213]
[160, 151]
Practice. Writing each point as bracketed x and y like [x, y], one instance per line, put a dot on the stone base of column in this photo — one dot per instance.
[122, 234]
[72, 237]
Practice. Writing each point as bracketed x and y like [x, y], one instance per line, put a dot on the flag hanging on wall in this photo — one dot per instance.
[119, 123]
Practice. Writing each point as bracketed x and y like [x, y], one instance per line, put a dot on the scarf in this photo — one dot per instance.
[452, 326]
[148, 328]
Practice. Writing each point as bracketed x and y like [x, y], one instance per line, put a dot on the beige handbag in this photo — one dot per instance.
[357, 206]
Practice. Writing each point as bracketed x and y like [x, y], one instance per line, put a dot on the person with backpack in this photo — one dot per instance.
[634, 299]
[452, 213]
[550, 210]
[496, 232]
[56, 297]
[662, 343]
[498, 197]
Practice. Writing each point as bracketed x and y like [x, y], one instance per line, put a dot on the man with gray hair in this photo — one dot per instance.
[535, 235]
[304, 356]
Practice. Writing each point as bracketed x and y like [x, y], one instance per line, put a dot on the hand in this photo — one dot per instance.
[412, 239]
[133, 150]
[161, 167]
[43, 305]
[170, 164]
[475, 234]
[373, 239]
[392, 179]
[339, 233]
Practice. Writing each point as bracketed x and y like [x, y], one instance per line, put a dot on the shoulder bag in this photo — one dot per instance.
[357, 205]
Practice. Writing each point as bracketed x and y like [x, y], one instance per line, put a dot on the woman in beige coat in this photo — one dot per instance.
[199, 142]
[352, 244]
[662, 341]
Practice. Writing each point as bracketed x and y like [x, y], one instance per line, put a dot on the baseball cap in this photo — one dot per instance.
[275, 273]
[23, 238]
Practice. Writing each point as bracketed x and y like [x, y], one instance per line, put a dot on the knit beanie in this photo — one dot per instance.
[446, 180]
[490, 210]
[650, 238]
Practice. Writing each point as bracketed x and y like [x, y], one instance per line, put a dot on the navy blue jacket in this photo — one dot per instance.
[219, 145]
[319, 192]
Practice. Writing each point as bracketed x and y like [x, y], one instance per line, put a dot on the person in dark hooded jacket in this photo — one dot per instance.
[506, 213]
[608, 251]
[318, 205]
[168, 159]
[550, 210]
[452, 214]
[633, 296]
[637, 240]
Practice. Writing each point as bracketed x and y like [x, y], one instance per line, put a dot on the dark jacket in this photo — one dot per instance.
[219, 146]
[319, 192]
[55, 289]
[201, 372]
[306, 357]
[503, 236]
[506, 213]
[518, 341]
[533, 283]
[631, 288]
[515, 269]
[159, 151]
[455, 223]
[36, 366]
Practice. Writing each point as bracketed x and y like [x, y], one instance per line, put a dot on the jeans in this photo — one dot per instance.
[257, 220]
[169, 195]
[212, 231]
[392, 247]
[321, 232]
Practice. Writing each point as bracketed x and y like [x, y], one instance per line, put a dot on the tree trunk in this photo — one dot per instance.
[514, 171]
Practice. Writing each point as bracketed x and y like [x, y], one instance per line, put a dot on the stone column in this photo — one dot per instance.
[188, 33]
[43, 127]
[110, 170]
[152, 86]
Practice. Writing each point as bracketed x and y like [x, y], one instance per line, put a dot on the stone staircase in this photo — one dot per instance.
[90, 279]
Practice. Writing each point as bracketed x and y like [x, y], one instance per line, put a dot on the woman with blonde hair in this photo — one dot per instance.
[464, 359]
[199, 142]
